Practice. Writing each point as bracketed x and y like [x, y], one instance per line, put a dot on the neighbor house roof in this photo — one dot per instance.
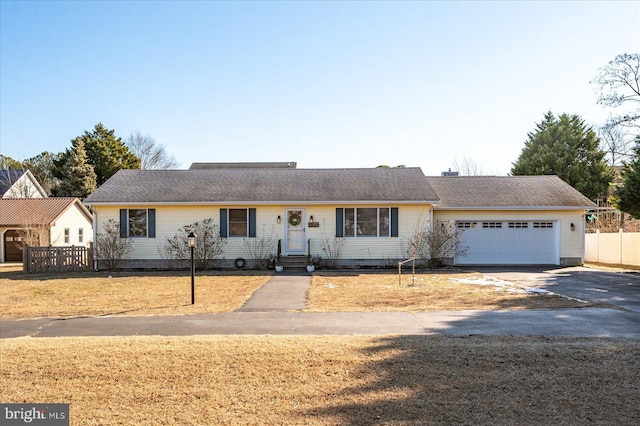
[264, 185]
[500, 192]
[36, 211]
[8, 179]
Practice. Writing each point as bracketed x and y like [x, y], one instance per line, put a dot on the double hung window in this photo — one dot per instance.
[367, 222]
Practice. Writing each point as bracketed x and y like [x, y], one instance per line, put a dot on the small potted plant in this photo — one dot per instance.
[314, 263]
[279, 268]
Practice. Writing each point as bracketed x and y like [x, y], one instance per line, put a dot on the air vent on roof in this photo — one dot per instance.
[449, 173]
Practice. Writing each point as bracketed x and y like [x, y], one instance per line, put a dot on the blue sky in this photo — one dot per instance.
[326, 84]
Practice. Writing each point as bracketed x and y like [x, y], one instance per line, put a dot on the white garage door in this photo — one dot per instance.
[509, 242]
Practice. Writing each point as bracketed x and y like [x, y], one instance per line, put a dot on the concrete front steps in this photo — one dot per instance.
[294, 263]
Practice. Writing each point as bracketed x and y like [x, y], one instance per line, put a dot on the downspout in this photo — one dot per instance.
[94, 215]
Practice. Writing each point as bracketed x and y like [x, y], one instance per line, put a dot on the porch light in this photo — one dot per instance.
[279, 220]
[311, 218]
[573, 227]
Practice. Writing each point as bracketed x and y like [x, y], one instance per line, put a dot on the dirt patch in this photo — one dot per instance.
[257, 380]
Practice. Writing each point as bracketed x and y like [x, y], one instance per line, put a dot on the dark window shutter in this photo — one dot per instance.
[151, 230]
[123, 223]
[339, 222]
[223, 223]
[394, 221]
[252, 222]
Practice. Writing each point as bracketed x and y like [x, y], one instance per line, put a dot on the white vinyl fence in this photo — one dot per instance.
[618, 248]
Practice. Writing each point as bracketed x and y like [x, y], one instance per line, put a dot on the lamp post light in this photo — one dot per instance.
[192, 245]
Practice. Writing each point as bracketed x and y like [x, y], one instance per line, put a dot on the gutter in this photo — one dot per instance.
[260, 203]
[495, 208]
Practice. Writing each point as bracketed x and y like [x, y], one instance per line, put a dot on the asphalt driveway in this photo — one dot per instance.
[614, 288]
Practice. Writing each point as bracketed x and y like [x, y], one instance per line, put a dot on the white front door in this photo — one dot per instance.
[295, 232]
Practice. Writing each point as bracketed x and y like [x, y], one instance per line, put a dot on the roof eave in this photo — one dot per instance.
[258, 203]
[536, 207]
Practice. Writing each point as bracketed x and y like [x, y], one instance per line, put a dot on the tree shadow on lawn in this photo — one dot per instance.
[490, 380]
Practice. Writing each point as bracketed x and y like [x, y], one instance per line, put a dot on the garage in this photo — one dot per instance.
[513, 242]
[12, 247]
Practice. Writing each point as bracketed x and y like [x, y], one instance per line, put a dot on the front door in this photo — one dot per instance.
[295, 232]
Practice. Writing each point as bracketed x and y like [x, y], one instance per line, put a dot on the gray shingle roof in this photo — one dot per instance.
[506, 191]
[264, 185]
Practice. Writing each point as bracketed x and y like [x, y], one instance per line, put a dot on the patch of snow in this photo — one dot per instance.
[510, 287]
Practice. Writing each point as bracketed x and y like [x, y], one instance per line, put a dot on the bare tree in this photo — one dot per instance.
[209, 244]
[261, 250]
[468, 167]
[152, 155]
[436, 244]
[34, 232]
[618, 84]
[617, 143]
[331, 245]
[111, 248]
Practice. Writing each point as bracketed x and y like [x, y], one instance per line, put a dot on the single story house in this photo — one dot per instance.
[53, 221]
[370, 214]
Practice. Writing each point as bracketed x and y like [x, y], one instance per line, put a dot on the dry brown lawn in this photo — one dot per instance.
[123, 293]
[276, 380]
[169, 293]
[426, 292]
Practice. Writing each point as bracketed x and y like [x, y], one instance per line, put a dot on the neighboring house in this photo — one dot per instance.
[20, 184]
[517, 220]
[63, 221]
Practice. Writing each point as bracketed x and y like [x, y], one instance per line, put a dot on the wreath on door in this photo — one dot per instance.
[295, 219]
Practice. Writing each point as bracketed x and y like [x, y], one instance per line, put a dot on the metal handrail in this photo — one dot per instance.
[279, 251]
[413, 270]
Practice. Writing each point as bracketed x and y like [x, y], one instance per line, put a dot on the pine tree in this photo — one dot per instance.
[626, 197]
[77, 176]
[105, 152]
[565, 147]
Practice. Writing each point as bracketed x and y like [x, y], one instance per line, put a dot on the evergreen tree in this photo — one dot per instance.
[565, 147]
[77, 176]
[105, 152]
[626, 197]
[42, 168]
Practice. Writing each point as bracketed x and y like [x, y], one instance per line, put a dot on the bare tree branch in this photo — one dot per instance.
[152, 155]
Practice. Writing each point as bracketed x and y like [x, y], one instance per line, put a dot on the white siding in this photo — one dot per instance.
[73, 219]
[571, 242]
[24, 187]
[169, 219]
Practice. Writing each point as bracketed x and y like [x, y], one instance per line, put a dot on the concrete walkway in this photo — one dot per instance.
[283, 292]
